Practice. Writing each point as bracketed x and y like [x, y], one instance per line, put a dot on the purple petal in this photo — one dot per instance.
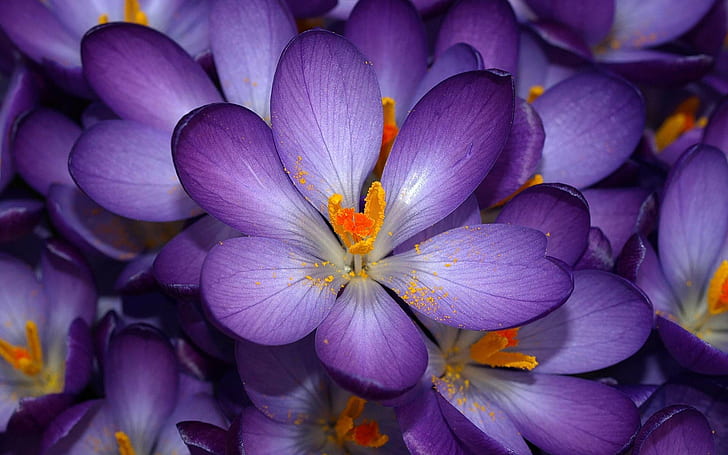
[91, 227]
[261, 435]
[693, 222]
[592, 122]
[591, 19]
[83, 429]
[563, 38]
[21, 299]
[178, 265]
[227, 161]
[646, 272]
[690, 351]
[519, 159]
[446, 146]
[675, 429]
[203, 438]
[141, 383]
[137, 277]
[251, 285]
[79, 357]
[468, 213]
[18, 217]
[489, 26]
[68, 423]
[616, 212]
[559, 211]
[456, 59]
[598, 254]
[656, 67]
[143, 75]
[391, 36]
[365, 330]
[640, 24]
[286, 383]
[31, 417]
[716, 132]
[310, 8]
[20, 95]
[42, 143]
[127, 168]
[605, 320]
[246, 40]
[327, 117]
[482, 277]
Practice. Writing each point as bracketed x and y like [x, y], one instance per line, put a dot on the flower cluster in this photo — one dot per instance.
[299, 227]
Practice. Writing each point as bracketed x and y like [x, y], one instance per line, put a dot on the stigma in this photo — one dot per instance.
[489, 351]
[132, 13]
[358, 231]
[29, 359]
[389, 132]
[679, 122]
[124, 444]
[718, 290]
[534, 92]
[365, 434]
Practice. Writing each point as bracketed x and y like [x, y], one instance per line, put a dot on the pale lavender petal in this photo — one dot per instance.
[519, 159]
[640, 24]
[605, 320]
[559, 211]
[143, 75]
[261, 436]
[593, 122]
[649, 276]
[693, 222]
[246, 40]
[489, 26]
[391, 36]
[141, 382]
[481, 277]
[675, 429]
[42, 143]
[178, 265]
[443, 151]
[126, 167]
[365, 330]
[326, 112]
[21, 299]
[266, 290]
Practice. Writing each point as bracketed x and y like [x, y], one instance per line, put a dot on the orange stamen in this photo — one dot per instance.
[718, 290]
[28, 360]
[489, 351]
[534, 92]
[132, 13]
[389, 132]
[365, 434]
[537, 179]
[124, 443]
[358, 231]
[677, 124]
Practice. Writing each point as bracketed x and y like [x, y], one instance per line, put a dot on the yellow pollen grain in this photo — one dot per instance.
[132, 13]
[358, 231]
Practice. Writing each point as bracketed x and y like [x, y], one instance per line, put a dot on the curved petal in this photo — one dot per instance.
[30, 419]
[42, 143]
[391, 36]
[605, 320]
[82, 429]
[202, 438]
[716, 131]
[126, 167]
[640, 24]
[310, 8]
[19, 96]
[178, 265]
[226, 159]
[562, 414]
[658, 68]
[489, 26]
[675, 429]
[246, 40]
[646, 272]
[141, 383]
[79, 357]
[591, 19]
[446, 146]
[286, 383]
[693, 220]
[482, 277]
[689, 350]
[519, 159]
[593, 122]
[326, 112]
[559, 211]
[21, 299]
[261, 435]
[598, 254]
[365, 330]
[18, 217]
[266, 290]
[143, 75]
[136, 277]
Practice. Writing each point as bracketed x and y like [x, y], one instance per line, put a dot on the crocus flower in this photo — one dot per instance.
[44, 339]
[687, 282]
[605, 320]
[145, 397]
[50, 32]
[300, 410]
[281, 186]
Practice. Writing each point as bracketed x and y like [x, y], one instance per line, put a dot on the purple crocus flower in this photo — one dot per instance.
[145, 397]
[688, 281]
[49, 32]
[300, 410]
[44, 339]
[281, 186]
[605, 320]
